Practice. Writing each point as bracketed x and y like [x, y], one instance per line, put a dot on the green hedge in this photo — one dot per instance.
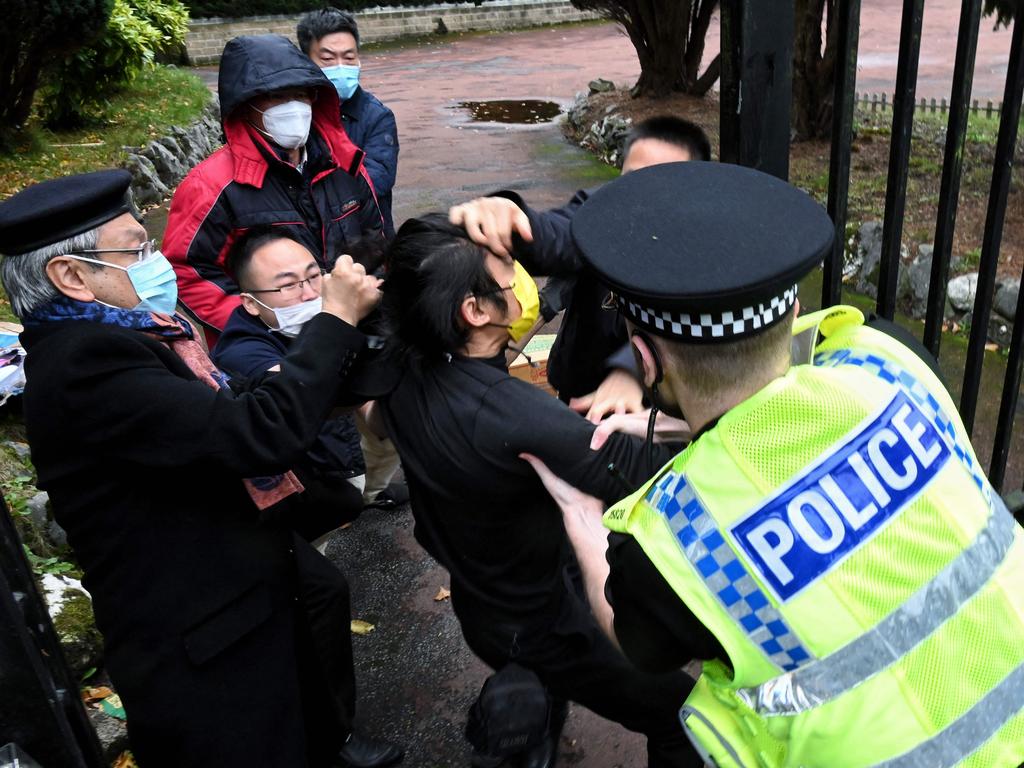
[201, 9]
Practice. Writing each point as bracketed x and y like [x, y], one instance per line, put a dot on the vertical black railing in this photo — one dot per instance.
[40, 709]
[757, 85]
[1002, 168]
[899, 155]
[952, 164]
[848, 21]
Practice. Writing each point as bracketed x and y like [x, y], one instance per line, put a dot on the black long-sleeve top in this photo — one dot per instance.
[459, 425]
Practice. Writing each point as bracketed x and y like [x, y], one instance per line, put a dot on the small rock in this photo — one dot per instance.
[925, 251]
[37, 510]
[918, 278]
[146, 185]
[600, 85]
[21, 450]
[1005, 302]
[57, 535]
[961, 291]
[167, 165]
[112, 733]
[76, 627]
[999, 331]
[869, 253]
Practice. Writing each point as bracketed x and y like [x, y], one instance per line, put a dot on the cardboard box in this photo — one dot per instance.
[537, 374]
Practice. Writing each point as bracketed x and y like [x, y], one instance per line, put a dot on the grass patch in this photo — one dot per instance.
[157, 99]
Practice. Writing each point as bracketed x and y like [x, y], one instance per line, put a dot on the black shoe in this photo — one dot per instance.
[366, 752]
[392, 497]
[544, 755]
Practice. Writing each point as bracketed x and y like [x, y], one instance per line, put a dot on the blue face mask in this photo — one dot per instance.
[155, 283]
[153, 280]
[345, 78]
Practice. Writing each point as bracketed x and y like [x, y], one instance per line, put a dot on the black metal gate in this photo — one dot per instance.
[755, 131]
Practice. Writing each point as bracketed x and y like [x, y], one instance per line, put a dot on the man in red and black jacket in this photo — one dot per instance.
[287, 162]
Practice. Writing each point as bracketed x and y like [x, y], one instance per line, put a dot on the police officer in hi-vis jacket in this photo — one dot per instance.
[827, 543]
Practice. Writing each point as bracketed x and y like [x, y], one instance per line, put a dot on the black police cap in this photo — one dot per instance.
[58, 209]
[702, 252]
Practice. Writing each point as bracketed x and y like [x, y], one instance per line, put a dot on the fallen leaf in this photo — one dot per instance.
[112, 706]
[125, 760]
[991, 347]
[360, 627]
[442, 594]
[90, 695]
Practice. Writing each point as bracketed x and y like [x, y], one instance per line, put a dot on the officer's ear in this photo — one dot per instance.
[647, 359]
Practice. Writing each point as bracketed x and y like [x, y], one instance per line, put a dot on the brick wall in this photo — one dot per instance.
[206, 37]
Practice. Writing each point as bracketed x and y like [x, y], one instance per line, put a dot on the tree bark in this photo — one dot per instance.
[668, 36]
[813, 69]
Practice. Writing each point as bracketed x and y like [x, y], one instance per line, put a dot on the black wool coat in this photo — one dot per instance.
[195, 598]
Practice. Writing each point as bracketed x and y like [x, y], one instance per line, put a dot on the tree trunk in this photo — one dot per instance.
[813, 70]
[668, 36]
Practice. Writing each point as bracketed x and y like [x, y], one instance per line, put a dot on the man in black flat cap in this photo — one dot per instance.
[829, 494]
[159, 472]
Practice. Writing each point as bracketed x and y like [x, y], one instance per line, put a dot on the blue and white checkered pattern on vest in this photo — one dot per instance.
[723, 572]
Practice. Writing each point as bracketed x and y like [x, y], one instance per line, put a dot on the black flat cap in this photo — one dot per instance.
[57, 209]
[700, 251]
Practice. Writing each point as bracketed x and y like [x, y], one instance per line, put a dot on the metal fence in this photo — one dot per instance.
[903, 107]
[756, 87]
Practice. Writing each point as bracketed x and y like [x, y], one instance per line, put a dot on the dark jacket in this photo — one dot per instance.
[327, 206]
[591, 339]
[480, 510]
[195, 598]
[248, 349]
[372, 128]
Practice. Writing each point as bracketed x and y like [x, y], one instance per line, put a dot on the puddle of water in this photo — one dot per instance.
[525, 112]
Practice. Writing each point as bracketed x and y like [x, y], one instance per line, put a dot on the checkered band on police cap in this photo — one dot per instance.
[713, 326]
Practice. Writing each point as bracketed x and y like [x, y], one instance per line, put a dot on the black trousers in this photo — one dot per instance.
[576, 661]
[324, 641]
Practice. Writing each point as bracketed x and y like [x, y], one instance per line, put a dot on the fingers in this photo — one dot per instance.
[492, 222]
[582, 404]
[601, 435]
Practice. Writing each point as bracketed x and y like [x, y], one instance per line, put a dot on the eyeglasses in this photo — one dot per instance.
[294, 289]
[511, 286]
[142, 252]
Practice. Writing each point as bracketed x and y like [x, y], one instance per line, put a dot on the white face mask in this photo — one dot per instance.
[287, 124]
[291, 319]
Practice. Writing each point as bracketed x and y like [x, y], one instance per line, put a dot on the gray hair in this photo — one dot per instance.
[24, 277]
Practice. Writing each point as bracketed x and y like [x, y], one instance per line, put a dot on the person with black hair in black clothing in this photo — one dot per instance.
[460, 422]
[591, 365]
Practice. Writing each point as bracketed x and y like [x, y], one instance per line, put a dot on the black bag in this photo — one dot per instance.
[511, 715]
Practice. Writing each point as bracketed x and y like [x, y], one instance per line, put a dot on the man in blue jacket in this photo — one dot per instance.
[330, 37]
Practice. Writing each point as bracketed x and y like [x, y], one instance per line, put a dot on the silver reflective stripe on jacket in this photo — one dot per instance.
[966, 735]
[895, 635]
[685, 713]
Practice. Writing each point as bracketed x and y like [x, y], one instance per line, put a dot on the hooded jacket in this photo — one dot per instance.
[327, 206]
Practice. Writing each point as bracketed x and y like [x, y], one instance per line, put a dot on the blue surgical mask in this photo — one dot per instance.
[345, 78]
[153, 280]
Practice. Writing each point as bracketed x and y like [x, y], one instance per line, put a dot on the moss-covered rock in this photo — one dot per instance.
[76, 628]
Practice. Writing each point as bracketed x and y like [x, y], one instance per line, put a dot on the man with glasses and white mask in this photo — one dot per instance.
[280, 282]
[288, 162]
[159, 473]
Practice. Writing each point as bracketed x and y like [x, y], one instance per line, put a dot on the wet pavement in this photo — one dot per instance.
[417, 678]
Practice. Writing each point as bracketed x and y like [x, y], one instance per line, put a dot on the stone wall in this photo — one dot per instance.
[206, 37]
